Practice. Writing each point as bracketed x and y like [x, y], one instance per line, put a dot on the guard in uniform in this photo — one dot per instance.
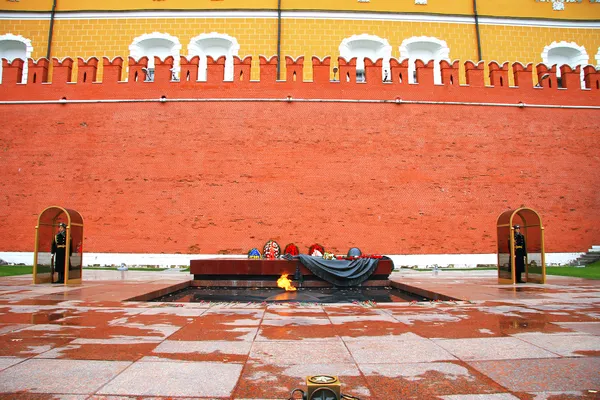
[520, 253]
[59, 251]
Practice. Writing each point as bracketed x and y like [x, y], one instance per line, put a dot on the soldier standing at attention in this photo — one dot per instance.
[520, 253]
[59, 249]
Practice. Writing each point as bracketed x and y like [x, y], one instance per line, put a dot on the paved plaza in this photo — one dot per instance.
[496, 342]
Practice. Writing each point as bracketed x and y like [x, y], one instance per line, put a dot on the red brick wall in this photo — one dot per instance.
[208, 177]
[212, 177]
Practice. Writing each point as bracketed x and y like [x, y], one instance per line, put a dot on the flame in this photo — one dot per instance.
[284, 283]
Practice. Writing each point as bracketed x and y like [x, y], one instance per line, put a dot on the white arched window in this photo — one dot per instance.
[426, 49]
[157, 44]
[12, 47]
[367, 46]
[215, 45]
[561, 53]
[598, 58]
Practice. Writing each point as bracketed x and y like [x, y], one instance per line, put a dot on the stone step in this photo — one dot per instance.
[591, 256]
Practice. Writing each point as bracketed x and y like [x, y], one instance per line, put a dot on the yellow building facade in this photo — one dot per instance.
[528, 31]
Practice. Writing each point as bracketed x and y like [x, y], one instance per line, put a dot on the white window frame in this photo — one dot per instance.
[441, 53]
[581, 59]
[28, 50]
[195, 48]
[383, 51]
[137, 50]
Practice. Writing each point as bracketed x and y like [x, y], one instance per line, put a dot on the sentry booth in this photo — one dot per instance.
[531, 227]
[45, 269]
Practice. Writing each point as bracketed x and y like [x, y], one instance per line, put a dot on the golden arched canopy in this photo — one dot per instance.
[531, 226]
[44, 268]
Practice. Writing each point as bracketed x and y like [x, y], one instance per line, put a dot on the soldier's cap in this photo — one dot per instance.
[517, 226]
[62, 224]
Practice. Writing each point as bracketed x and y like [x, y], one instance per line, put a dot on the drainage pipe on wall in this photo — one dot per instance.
[278, 40]
[479, 57]
[51, 30]
[294, 100]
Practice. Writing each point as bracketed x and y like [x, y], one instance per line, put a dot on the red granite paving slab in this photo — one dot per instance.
[92, 329]
[109, 304]
[40, 396]
[474, 286]
[296, 332]
[427, 380]
[99, 351]
[30, 316]
[194, 332]
[106, 332]
[260, 381]
[48, 330]
[39, 301]
[351, 310]
[100, 397]
[584, 396]
[18, 346]
[593, 328]
[214, 326]
[97, 318]
[369, 328]
[154, 319]
[575, 395]
[214, 330]
[274, 312]
[538, 375]
[5, 328]
[216, 351]
[474, 324]
[215, 356]
[566, 313]
[175, 378]
[70, 332]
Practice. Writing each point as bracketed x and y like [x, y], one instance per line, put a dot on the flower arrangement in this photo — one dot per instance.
[271, 250]
[254, 253]
[316, 250]
[291, 249]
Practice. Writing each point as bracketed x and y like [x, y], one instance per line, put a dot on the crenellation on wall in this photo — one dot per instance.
[373, 71]
[164, 80]
[12, 72]
[523, 75]
[294, 69]
[449, 72]
[474, 73]
[215, 69]
[242, 69]
[399, 71]
[571, 78]
[112, 69]
[163, 69]
[268, 68]
[347, 70]
[591, 77]
[498, 74]
[38, 71]
[87, 71]
[62, 71]
[321, 69]
[136, 72]
[546, 76]
[424, 72]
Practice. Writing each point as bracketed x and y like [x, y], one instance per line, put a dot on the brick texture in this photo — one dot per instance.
[209, 177]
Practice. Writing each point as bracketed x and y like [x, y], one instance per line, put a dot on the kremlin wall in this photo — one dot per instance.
[188, 167]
